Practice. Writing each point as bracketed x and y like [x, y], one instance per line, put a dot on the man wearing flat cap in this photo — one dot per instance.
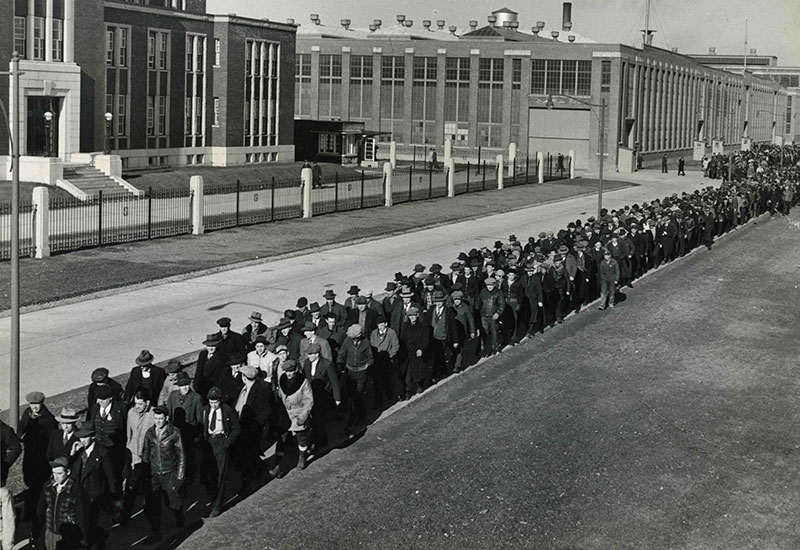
[287, 336]
[444, 335]
[211, 364]
[310, 337]
[220, 430]
[35, 427]
[354, 359]
[109, 425]
[414, 340]
[362, 315]
[332, 306]
[174, 367]
[255, 406]
[294, 392]
[100, 378]
[253, 330]
[324, 379]
[185, 408]
[145, 375]
[62, 511]
[333, 332]
[232, 342]
[490, 306]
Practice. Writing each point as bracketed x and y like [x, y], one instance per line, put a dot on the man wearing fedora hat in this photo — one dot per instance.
[352, 294]
[62, 441]
[310, 337]
[93, 471]
[444, 333]
[288, 337]
[220, 430]
[35, 426]
[354, 359]
[253, 330]
[414, 339]
[100, 378]
[145, 375]
[255, 406]
[62, 511]
[391, 302]
[137, 477]
[302, 312]
[332, 306]
[185, 408]
[324, 380]
[332, 332]
[174, 367]
[440, 280]
[362, 315]
[210, 365]
[315, 315]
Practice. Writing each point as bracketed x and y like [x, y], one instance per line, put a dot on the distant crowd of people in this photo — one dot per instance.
[291, 382]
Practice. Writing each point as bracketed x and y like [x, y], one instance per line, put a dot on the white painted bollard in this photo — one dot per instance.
[387, 176]
[451, 178]
[41, 204]
[393, 154]
[448, 150]
[196, 187]
[306, 179]
[572, 164]
[512, 156]
[500, 171]
[540, 167]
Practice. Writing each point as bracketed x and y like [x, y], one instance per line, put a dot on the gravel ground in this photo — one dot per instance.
[82, 272]
[666, 422]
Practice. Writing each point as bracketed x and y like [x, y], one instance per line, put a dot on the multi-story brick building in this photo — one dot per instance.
[488, 87]
[181, 86]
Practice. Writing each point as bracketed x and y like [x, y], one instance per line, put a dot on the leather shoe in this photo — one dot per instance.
[214, 512]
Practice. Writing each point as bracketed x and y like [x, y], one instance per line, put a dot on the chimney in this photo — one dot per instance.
[492, 19]
[571, 38]
[675, 50]
[377, 23]
[440, 24]
[554, 34]
[506, 24]
[426, 23]
[408, 23]
[290, 21]
[345, 23]
[315, 18]
[535, 30]
[753, 51]
[401, 18]
[453, 29]
[540, 24]
[473, 24]
[566, 16]
[514, 25]
[372, 27]
[712, 50]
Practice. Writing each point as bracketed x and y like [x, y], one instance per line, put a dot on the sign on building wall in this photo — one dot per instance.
[717, 147]
[699, 150]
[746, 142]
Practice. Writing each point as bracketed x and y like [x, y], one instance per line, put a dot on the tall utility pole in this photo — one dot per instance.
[745, 47]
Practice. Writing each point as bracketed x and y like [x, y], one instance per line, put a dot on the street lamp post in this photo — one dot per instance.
[48, 134]
[107, 142]
[13, 133]
[602, 120]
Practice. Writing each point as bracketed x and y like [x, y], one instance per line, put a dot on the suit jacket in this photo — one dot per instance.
[153, 384]
[325, 348]
[337, 308]
[370, 320]
[257, 411]
[325, 378]
[56, 446]
[230, 423]
[188, 413]
[248, 335]
[9, 448]
[449, 323]
[110, 433]
[116, 392]
[95, 474]
[209, 372]
[232, 345]
[292, 341]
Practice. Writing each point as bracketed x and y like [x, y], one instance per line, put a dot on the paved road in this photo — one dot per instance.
[668, 422]
[60, 346]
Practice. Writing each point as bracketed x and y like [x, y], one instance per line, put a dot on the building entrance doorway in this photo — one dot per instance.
[38, 128]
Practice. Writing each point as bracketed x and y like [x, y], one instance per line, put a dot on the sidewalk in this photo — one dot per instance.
[78, 273]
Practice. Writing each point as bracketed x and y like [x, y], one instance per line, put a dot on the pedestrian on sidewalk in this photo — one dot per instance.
[609, 277]
[35, 427]
[681, 166]
[137, 472]
[294, 391]
[63, 510]
[220, 430]
[355, 358]
[664, 164]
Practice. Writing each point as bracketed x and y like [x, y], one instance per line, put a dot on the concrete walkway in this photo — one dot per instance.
[60, 346]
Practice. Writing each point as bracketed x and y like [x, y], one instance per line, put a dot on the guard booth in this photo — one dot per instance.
[335, 141]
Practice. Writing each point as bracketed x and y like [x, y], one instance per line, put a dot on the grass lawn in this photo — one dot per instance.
[26, 191]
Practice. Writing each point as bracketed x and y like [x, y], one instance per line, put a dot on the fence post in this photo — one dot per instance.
[410, 175]
[196, 188]
[430, 181]
[99, 218]
[483, 185]
[362, 188]
[527, 168]
[572, 164]
[393, 154]
[149, 212]
[387, 174]
[500, 171]
[272, 201]
[414, 157]
[448, 150]
[336, 192]
[512, 156]
[451, 177]
[41, 229]
[238, 186]
[306, 180]
[513, 171]
[467, 176]
[539, 167]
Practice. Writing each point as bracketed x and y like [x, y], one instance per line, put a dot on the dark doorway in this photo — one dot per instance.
[37, 127]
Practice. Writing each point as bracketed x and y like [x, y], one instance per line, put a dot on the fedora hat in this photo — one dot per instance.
[329, 294]
[255, 316]
[212, 340]
[284, 323]
[145, 358]
[353, 289]
[314, 307]
[68, 416]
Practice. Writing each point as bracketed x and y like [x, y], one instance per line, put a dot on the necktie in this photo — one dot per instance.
[212, 424]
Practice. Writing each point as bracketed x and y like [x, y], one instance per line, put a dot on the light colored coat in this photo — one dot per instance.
[298, 405]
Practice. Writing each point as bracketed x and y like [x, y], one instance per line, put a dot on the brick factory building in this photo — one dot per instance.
[486, 87]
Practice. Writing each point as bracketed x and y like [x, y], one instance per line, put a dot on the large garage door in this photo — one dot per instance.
[559, 130]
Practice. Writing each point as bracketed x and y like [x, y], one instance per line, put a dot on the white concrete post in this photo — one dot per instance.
[306, 179]
[48, 30]
[540, 167]
[41, 204]
[448, 150]
[196, 187]
[450, 164]
[572, 164]
[69, 31]
[500, 171]
[512, 156]
[387, 175]
[393, 154]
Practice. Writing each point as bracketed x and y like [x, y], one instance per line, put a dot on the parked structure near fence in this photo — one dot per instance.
[56, 225]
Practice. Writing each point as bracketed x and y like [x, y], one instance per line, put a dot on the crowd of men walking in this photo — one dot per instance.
[291, 384]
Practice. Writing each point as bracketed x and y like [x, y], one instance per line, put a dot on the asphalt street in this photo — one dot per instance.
[61, 345]
[668, 422]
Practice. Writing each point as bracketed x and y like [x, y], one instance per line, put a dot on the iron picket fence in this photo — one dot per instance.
[236, 204]
[26, 240]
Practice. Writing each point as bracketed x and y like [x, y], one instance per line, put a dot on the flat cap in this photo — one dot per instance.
[224, 321]
[354, 331]
[215, 393]
[183, 379]
[85, 431]
[60, 462]
[99, 374]
[314, 348]
[35, 397]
